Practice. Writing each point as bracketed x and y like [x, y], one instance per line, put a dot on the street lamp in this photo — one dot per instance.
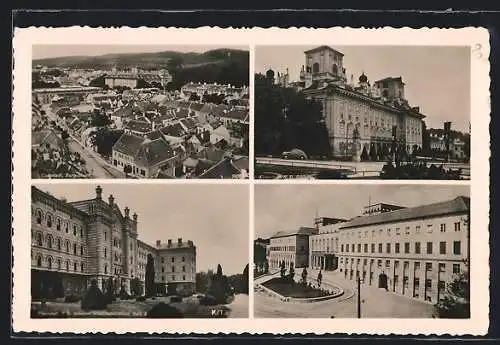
[359, 281]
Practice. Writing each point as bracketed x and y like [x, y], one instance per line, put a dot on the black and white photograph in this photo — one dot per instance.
[362, 251]
[139, 251]
[140, 111]
[362, 112]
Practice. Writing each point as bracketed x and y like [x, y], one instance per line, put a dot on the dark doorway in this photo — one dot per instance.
[382, 281]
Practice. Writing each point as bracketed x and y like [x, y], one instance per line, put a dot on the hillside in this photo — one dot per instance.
[145, 60]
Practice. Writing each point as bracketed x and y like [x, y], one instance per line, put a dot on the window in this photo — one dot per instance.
[184, 259]
[74, 248]
[162, 259]
[67, 265]
[67, 246]
[398, 231]
[457, 226]
[39, 217]
[417, 247]
[183, 268]
[442, 247]
[39, 261]
[407, 230]
[58, 224]
[456, 268]
[407, 248]
[81, 231]
[162, 269]
[428, 266]
[173, 259]
[387, 263]
[417, 229]
[366, 248]
[380, 247]
[373, 247]
[388, 248]
[456, 247]
[49, 260]
[81, 250]
[106, 269]
[173, 277]
[388, 232]
[353, 249]
[347, 248]
[49, 221]
[49, 242]
[74, 229]
[396, 248]
[379, 263]
[75, 265]
[183, 277]
[429, 228]
[66, 227]
[442, 227]
[105, 252]
[342, 248]
[173, 268]
[59, 264]
[359, 247]
[105, 235]
[442, 267]
[429, 247]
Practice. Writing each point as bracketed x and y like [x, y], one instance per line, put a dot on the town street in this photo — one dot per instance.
[96, 168]
[239, 306]
[376, 303]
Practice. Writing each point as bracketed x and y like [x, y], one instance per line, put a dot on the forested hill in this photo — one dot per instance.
[225, 66]
[145, 60]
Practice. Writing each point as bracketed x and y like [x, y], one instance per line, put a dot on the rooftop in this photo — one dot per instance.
[320, 48]
[300, 231]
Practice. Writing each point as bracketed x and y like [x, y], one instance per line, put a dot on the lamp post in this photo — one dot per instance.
[359, 281]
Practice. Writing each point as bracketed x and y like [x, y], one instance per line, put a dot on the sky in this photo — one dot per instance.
[437, 78]
[214, 217]
[287, 207]
[63, 50]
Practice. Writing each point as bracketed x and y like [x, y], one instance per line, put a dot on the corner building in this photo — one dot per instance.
[412, 251]
[73, 243]
[360, 117]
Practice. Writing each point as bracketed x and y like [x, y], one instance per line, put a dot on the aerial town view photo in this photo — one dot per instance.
[362, 251]
[139, 251]
[369, 112]
[127, 111]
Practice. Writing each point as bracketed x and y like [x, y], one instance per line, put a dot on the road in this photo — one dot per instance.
[96, 168]
[376, 303]
[239, 306]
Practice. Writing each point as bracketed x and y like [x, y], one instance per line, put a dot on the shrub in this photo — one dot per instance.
[208, 300]
[141, 299]
[72, 299]
[124, 295]
[94, 298]
[164, 311]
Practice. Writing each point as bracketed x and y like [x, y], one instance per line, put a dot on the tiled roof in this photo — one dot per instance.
[241, 162]
[174, 130]
[184, 104]
[138, 126]
[237, 114]
[189, 123]
[196, 106]
[300, 231]
[128, 144]
[182, 113]
[212, 154]
[46, 136]
[207, 108]
[124, 112]
[460, 204]
[154, 135]
[223, 169]
[154, 152]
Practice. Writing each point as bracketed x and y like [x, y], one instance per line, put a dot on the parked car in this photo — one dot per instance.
[294, 154]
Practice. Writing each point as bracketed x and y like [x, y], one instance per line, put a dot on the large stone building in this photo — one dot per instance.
[374, 118]
[73, 243]
[290, 247]
[46, 95]
[412, 251]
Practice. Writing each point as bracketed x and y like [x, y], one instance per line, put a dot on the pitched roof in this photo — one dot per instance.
[320, 48]
[241, 162]
[196, 106]
[126, 111]
[207, 108]
[154, 135]
[212, 154]
[174, 130]
[182, 113]
[189, 123]
[460, 204]
[128, 144]
[300, 231]
[138, 126]
[154, 152]
[46, 136]
[237, 114]
[223, 169]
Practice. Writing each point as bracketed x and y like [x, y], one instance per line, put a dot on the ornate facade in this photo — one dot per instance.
[75, 242]
[376, 119]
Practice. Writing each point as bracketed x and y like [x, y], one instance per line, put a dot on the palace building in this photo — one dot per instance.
[412, 251]
[73, 243]
[375, 119]
[290, 247]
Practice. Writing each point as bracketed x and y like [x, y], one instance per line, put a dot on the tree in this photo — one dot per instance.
[64, 135]
[98, 82]
[456, 302]
[194, 97]
[245, 280]
[104, 139]
[202, 282]
[142, 84]
[136, 287]
[99, 119]
[150, 277]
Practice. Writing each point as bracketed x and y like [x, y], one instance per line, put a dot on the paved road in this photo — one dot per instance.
[94, 167]
[239, 306]
[376, 303]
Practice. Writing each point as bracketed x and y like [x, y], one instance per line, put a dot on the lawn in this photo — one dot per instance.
[190, 308]
[287, 288]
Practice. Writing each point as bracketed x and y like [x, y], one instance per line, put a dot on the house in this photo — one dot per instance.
[46, 138]
[234, 116]
[223, 170]
[218, 134]
[173, 133]
[136, 127]
[188, 124]
[143, 157]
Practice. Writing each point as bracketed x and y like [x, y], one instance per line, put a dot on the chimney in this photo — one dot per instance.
[127, 212]
[134, 216]
[169, 243]
[190, 243]
[111, 200]
[179, 242]
[98, 192]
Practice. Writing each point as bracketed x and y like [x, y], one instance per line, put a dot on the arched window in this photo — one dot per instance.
[67, 246]
[49, 220]
[66, 226]
[59, 264]
[81, 266]
[315, 67]
[106, 269]
[75, 266]
[105, 252]
[385, 93]
[81, 231]
[335, 69]
[81, 250]
[74, 248]
[39, 261]
[74, 229]
[49, 260]
[67, 265]
[39, 216]
[58, 223]
[49, 241]
[58, 244]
